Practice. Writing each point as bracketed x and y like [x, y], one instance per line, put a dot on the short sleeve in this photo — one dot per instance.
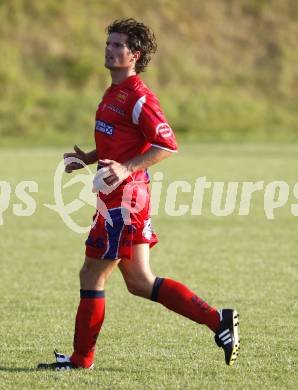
[147, 114]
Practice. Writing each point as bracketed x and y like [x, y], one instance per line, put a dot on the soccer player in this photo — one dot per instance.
[131, 134]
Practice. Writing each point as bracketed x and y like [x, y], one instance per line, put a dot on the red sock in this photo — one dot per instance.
[89, 319]
[177, 297]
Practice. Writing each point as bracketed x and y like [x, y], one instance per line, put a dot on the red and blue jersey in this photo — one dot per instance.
[129, 120]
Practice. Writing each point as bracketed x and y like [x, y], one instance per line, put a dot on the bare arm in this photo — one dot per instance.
[152, 156]
[86, 157]
[119, 172]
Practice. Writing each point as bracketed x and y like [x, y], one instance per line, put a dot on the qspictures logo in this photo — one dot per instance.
[175, 199]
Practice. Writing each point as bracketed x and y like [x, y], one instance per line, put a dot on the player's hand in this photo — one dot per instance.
[73, 165]
[114, 173]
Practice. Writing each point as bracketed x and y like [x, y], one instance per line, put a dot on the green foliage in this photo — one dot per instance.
[225, 69]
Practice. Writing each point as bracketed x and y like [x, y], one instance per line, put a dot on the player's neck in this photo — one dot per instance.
[119, 75]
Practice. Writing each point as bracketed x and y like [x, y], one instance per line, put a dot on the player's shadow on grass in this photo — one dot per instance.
[17, 369]
[23, 369]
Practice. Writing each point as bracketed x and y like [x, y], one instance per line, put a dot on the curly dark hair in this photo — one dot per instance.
[140, 38]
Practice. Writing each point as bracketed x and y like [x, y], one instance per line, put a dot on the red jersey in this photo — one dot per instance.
[129, 121]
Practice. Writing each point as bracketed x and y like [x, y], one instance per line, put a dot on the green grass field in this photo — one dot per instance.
[247, 262]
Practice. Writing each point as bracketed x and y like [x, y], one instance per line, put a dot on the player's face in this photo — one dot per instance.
[117, 53]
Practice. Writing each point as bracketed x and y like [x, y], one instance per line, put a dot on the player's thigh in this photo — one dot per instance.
[100, 266]
[96, 271]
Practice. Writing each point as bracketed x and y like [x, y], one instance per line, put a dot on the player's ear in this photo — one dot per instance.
[136, 55]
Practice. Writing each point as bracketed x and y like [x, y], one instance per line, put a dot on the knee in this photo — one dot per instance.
[84, 273]
[90, 279]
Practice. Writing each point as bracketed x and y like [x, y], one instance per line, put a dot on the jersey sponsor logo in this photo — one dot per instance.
[164, 130]
[116, 109]
[104, 128]
[122, 96]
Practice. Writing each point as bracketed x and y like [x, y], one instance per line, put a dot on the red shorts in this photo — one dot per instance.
[128, 223]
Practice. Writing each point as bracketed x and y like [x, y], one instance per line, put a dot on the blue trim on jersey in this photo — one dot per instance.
[92, 294]
[155, 289]
[114, 233]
